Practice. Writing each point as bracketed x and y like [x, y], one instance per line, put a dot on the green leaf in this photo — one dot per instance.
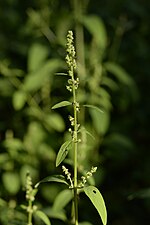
[11, 181]
[19, 99]
[61, 104]
[63, 151]
[43, 217]
[35, 80]
[54, 178]
[54, 121]
[96, 198]
[94, 107]
[56, 214]
[37, 55]
[83, 129]
[119, 73]
[85, 223]
[61, 74]
[62, 199]
[101, 121]
[97, 28]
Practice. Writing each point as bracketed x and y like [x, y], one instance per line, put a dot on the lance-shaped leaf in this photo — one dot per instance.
[96, 198]
[94, 107]
[43, 217]
[63, 151]
[54, 178]
[61, 104]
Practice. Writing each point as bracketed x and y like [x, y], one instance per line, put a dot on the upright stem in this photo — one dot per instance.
[75, 149]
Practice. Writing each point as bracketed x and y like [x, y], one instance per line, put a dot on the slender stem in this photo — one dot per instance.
[30, 213]
[75, 149]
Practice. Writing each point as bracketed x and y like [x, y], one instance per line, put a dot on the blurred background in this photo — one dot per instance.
[112, 46]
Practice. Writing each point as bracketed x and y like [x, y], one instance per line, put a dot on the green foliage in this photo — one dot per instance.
[98, 201]
[113, 52]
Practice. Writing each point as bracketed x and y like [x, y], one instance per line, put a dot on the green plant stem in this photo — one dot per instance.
[30, 213]
[75, 149]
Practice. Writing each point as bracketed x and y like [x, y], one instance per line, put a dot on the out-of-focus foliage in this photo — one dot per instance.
[114, 75]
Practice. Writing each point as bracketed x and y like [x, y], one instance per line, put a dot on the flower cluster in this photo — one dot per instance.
[68, 175]
[30, 195]
[87, 176]
[70, 58]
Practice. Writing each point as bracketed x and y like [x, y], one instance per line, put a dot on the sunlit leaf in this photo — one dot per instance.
[96, 198]
[62, 199]
[94, 107]
[63, 151]
[54, 178]
[61, 104]
[85, 223]
[43, 217]
[61, 74]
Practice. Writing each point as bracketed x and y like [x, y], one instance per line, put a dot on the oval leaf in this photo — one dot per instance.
[94, 107]
[43, 217]
[54, 178]
[96, 198]
[19, 99]
[63, 151]
[62, 199]
[61, 104]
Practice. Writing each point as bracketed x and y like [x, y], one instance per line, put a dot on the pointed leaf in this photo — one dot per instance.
[62, 199]
[61, 74]
[94, 107]
[61, 104]
[54, 178]
[63, 151]
[96, 198]
[43, 217]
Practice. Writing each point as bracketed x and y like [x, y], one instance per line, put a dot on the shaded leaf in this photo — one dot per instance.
[43, 217]
[62, 199]
[56, 214]
[54, 178]
[97, 28]
[61, 104]
[37, 55]
[63, 151]
[35, 80]
[11, 181]
[54, 121]
[19, 99]
[101, 121]
[94, 107]
[96, 198]
[119, 73]
[83, 129]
